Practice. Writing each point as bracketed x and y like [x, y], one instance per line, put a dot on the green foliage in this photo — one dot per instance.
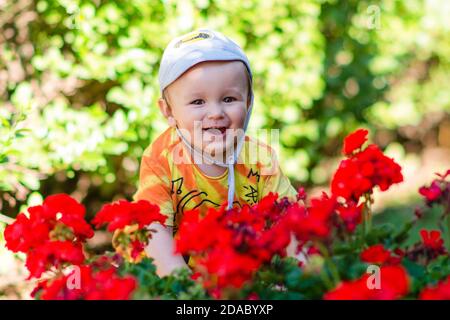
[86, 74]
[177, 285]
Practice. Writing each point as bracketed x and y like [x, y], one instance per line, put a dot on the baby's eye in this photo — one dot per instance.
[229, 99]
[197, 102]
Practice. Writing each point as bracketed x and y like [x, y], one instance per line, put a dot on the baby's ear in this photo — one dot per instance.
[167, 113]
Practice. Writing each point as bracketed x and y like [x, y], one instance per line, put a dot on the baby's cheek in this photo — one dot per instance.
[192, 125]
[238, 121]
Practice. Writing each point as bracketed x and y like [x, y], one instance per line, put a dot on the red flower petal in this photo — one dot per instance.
[354, 141]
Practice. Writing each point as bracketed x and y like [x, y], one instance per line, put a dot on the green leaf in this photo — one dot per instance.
[415, 270]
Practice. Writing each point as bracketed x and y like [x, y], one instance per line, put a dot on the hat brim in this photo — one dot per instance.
[195, 57]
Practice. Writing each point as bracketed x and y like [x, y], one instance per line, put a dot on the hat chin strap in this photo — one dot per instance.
[228, 164]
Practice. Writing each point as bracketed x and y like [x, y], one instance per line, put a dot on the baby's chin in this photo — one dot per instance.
[219, 151]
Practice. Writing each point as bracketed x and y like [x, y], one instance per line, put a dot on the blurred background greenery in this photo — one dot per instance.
[78, 87]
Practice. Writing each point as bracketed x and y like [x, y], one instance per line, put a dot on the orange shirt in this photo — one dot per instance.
[170, 178]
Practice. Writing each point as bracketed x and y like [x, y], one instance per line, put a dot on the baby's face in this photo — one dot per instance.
[209, 103]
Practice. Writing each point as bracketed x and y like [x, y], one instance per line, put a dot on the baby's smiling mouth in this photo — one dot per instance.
[216, 129]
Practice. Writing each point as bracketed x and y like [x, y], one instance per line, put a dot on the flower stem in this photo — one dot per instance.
[363, 230]
[368, 212]
[331, 266]
[326, 279]
[367, 218]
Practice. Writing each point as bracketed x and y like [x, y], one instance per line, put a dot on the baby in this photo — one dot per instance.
[204, 158]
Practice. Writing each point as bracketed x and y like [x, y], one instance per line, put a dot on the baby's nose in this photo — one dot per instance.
[215, 110]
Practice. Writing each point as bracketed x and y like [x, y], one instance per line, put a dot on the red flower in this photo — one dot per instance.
[312, 250]
[439, 292]
[61, 208]
[194, 233]
[195, 275]
[432, 239]
[313, 222]
[55, 289]
[63, 204]
[80, 228]
[364, 171]
[53, 254]
[26, 233]
[137, 248]
[301, 194]
[59, 217]
[267, 204]
[92, 285]
[123, 213]
[230, 267]
[396, 257]
[385, 171]
[376, 254]
[394, 284]
[431, 193]
[253, 296]
[242, 241]
[272, 241]
[351, 215]
[354, 141]
[112, 287]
